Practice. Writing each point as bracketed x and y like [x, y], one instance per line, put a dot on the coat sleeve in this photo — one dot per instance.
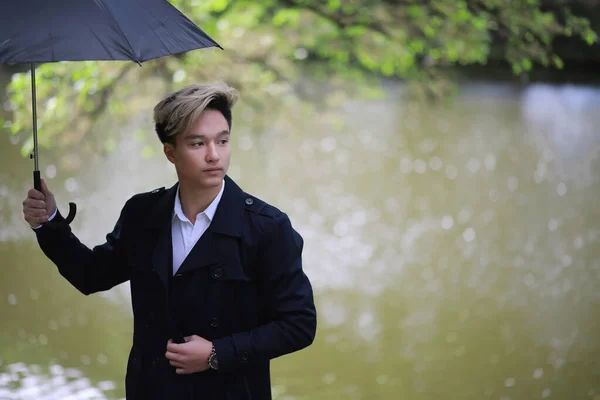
[88, 270]
[293, 314]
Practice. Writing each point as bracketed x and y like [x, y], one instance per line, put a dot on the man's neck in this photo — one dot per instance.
[195, 200]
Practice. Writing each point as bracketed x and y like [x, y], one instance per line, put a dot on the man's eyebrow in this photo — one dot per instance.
[200, 136]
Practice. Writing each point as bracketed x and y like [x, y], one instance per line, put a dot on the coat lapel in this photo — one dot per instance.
[162, 253]
[160, 226]
[226, 223]
[229, 216]
[201, 255]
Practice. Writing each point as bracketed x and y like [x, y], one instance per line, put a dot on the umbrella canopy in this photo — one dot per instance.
[40, 31]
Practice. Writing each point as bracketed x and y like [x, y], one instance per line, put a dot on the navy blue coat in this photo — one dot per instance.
[241, 287]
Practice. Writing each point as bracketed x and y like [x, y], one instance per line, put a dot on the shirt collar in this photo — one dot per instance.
[209, 212]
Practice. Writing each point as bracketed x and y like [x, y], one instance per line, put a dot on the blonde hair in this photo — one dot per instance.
[177, 112]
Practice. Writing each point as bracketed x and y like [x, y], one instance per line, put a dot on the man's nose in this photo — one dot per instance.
[212, 155]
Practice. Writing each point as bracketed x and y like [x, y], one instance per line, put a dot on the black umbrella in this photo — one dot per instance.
[40, 31]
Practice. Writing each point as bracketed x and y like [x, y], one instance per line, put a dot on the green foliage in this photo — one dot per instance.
[276, 50]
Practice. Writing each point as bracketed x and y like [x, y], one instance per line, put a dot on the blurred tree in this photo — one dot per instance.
[279, 51]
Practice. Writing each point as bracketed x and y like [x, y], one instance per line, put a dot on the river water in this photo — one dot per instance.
[454, 251]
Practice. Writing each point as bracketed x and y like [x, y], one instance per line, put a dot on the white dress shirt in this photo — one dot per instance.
[184, 234]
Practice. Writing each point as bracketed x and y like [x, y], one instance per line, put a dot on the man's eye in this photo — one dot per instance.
[197, 144]
[224, 141]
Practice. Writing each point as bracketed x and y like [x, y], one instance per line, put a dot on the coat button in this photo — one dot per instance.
[249, 201]
[215, 322]
[245, 356]
[217, 273]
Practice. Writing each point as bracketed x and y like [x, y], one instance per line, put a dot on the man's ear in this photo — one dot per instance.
[169, 151]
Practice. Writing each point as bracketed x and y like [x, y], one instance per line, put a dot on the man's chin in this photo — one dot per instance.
[202, 182]
[211, 181]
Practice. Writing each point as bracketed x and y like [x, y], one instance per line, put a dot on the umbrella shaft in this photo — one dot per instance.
[34, 110]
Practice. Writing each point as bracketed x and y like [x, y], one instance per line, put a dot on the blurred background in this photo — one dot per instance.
[439, 157]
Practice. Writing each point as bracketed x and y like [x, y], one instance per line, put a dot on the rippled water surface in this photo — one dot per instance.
[454, 252]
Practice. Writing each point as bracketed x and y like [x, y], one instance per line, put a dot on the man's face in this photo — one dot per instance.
[201, 155]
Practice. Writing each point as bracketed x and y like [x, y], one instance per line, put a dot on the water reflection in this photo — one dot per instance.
[454, 250]
[562, 123]
[29, 382]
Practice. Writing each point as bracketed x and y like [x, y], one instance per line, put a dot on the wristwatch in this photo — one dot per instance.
[212, 359]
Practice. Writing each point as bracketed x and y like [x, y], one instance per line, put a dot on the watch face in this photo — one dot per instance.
[213, 363]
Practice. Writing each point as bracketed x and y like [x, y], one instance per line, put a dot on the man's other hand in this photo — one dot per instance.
[191, 356]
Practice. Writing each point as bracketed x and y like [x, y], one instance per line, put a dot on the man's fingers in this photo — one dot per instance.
[35, 194]
[181, 371]
[45, 190]
[34, 203]
[174, 356]
[173, 347]
[177, 364]
[35, 213]
[36, 219]
[34, 208]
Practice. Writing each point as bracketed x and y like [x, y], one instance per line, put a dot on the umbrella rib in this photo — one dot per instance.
[161, 23]
[50, 39]
[100, 41]
[121, 32]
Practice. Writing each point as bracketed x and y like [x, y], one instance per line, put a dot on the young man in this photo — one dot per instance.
[216, 276]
